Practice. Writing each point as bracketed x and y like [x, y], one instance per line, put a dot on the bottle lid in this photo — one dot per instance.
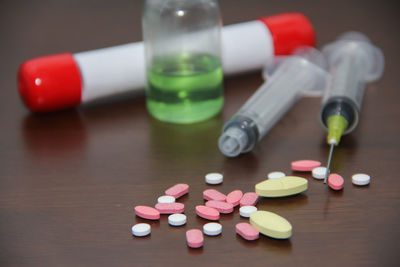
[232, 142]
[50, 83]
[289, 31]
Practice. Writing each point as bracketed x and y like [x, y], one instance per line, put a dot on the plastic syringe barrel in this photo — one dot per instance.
[294, 76]
[62, 81]
[352, 61]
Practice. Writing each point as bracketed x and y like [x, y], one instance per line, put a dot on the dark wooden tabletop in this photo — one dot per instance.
[69, 180]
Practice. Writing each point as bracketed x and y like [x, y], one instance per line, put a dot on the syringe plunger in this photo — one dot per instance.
[353, 60]
[233, 141]
[295, 75]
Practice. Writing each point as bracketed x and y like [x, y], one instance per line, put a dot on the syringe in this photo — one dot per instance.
[353, 61]
[297, 75]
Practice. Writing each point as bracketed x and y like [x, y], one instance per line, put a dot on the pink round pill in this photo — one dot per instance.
[247, 231]
[212, 194]
[194, 238]
[249, 199]
[335, 181]
[207, 213]
[305, 165]
[222, 207]
[234, 197]
[170, 208]
[146, 212]
[177, 190]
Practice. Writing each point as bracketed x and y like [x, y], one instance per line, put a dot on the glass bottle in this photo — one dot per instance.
[183, 59]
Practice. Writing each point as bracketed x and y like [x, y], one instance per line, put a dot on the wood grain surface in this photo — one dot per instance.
[69, 180]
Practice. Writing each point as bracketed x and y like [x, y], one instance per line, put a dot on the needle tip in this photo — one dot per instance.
[328, 165]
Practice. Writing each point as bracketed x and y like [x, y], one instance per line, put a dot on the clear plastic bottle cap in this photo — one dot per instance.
[232, 142]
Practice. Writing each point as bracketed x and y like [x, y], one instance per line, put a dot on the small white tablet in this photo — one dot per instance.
[141, 229]
[214, 178]
[166, 199]
[319, 173]
[212, 229]
[177, 219]
[276, 175]
[245, 211]
[361, 179]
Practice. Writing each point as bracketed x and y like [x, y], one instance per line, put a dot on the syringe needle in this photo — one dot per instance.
[328, 165]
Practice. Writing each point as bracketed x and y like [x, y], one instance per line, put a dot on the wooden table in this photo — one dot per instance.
[69, 180]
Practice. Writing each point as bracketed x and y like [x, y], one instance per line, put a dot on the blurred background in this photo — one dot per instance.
[68, 180]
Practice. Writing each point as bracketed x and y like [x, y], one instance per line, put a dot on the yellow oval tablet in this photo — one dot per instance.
[282, 187]
[271, 224]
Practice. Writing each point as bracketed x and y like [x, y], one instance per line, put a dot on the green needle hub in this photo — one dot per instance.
[337, 124]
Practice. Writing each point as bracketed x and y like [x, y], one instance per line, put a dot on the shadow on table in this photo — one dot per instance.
[276, 246]
[54, 135]
[185, 143]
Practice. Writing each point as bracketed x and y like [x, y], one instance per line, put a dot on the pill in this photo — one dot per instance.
[146, 212]
[170, 208]
[271, 224]
[212, 229]
[245, 211]
[222, 207]
[177, 219]
[319, 172]
[335, 181]
[360, 179]
[141, 229]
[249, 199]
[276, 175]
[212, 194]
[194, 238]
[286, 186]
[166, 199]
[177, 190]
[207, 213]
[247, 231]
[234, 197]
[305, 165]
[214, 178]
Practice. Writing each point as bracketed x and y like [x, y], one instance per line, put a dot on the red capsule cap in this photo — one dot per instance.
[289, 31]
[50, 83]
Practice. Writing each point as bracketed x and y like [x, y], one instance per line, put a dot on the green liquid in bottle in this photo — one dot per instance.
[186, 88]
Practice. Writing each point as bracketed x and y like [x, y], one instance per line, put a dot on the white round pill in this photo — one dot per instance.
[166, 199]
[141, 229]
[319, 173]
[361, 179]
[276, 175]
[212, 229]
[214, 178]
[177, 219]
[245, 211]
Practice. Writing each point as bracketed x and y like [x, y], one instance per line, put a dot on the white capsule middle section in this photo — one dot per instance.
[246, 47]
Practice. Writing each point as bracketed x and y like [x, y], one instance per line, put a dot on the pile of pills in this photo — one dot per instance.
[217, 204]
[335, 181]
